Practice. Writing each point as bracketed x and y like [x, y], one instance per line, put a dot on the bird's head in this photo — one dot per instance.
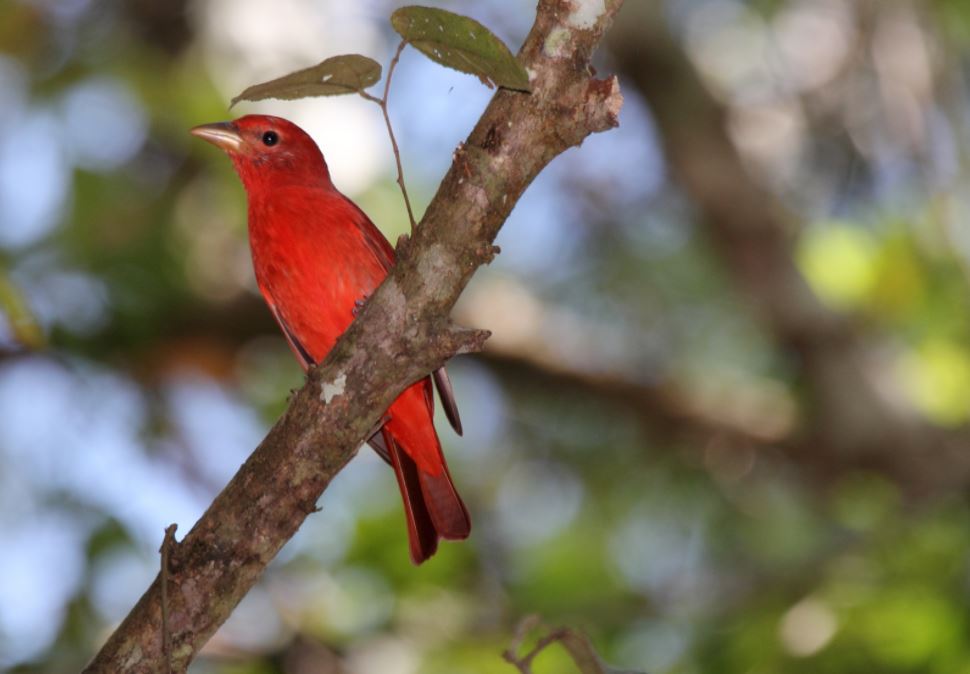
[268, 152]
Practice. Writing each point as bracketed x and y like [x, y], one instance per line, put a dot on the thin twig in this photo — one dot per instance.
[382, 102]
[524, 664]
[526, 625]
[167, 543]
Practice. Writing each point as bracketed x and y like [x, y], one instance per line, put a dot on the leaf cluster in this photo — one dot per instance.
[447, 38]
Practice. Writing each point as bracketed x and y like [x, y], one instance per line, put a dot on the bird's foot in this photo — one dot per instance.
[359, 304]
[378, 426]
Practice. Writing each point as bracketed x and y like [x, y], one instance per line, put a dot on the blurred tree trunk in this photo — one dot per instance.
[848, 421]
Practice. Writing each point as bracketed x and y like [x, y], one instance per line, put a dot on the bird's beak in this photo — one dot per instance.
[221, 134]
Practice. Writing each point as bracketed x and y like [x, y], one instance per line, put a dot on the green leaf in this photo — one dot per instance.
[22, 322]
[337, 75]
[461, 43]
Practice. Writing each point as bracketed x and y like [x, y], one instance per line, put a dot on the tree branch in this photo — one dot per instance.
[402, 333]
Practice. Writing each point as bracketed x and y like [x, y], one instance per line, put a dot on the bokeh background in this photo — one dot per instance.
[722, 425]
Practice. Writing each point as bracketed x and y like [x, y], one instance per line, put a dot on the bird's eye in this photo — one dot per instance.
[270, 138]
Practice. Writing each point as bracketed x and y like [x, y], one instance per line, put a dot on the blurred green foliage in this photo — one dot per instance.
[21, 320]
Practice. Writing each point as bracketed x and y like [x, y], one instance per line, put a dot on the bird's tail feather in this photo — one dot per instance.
[432, 506]
[448, 512]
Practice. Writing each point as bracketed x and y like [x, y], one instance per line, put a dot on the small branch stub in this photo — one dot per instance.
[603, 103]
[168, 543]
[472, 341]
[487, 252]
[458, 340]
[402, 247]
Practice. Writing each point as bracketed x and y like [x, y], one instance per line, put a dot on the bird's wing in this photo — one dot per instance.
[376, 441]
[302, 355]
[378, 444]
[382, 250]
[422, 532]
[443, 384]
[376, 242]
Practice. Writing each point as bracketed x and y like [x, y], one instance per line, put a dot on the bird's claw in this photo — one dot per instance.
[359, 304]
[380, 424]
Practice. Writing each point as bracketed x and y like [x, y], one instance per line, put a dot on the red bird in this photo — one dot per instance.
[317, 256]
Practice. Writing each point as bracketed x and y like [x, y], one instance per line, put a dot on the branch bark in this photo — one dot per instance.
[402, 333]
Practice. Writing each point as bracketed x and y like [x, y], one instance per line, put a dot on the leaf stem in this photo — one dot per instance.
[382, 102]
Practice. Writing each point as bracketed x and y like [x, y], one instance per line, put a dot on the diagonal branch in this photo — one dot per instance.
[401, 334]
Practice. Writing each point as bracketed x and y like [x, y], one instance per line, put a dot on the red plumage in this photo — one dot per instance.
[315, 255]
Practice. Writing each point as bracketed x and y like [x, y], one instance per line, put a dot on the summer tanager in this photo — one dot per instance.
[317, 256]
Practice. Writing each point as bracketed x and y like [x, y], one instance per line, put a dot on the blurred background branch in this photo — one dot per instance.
[850, 420]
